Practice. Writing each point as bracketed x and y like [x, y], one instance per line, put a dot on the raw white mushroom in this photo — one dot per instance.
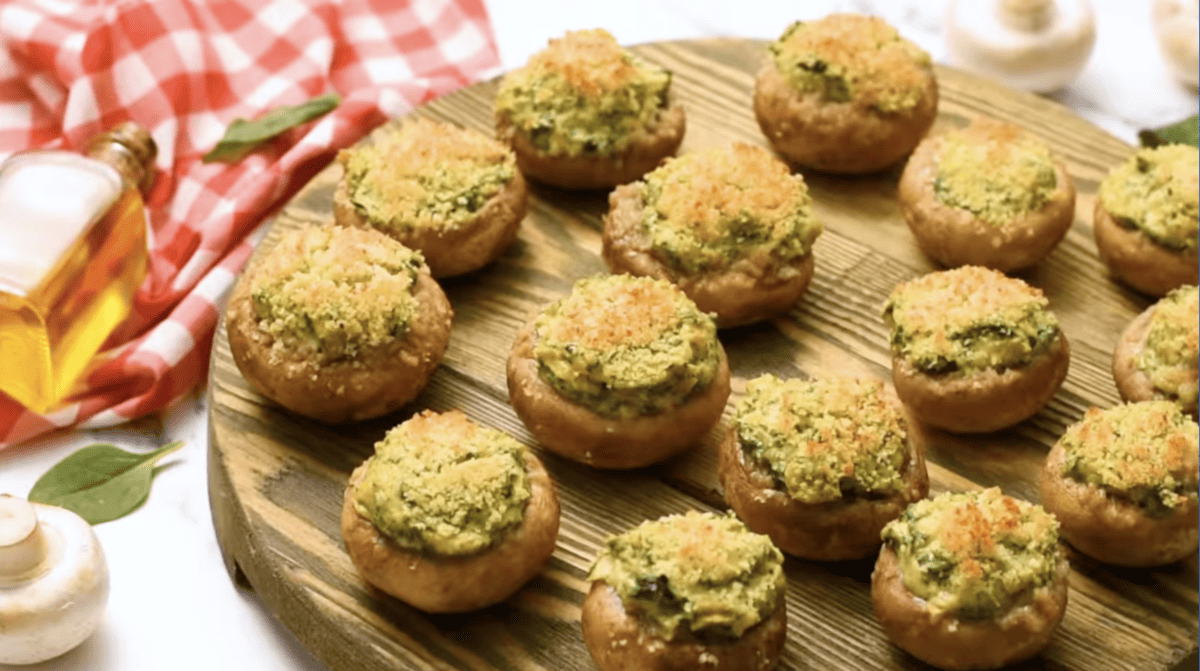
[1176, 25]
[1032, 45]
[53, 581]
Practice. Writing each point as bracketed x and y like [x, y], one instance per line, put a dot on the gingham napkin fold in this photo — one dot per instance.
[185, 69]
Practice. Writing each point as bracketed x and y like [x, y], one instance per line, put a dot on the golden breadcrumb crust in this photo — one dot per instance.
[847, 528]
[951, 642]
[955, 236]
[452, 243]
[1126, 452]
[456, 584]
[1133, 258]
[710, 192]
[376, 380]
[1133, 379]
[575, 432]
[850, 136]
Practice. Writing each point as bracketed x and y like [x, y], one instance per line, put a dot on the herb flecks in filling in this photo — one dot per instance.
[425, 175]
[328, 293]
[626, 346]
[583, 95]
[976, 554]
[698, 572]
[967, 320]
[1171, 356]
[708, 209]
[443, 485]
[824, 439]
[1145, 453]
[994, 170]
[1155, 191]
[848, 58]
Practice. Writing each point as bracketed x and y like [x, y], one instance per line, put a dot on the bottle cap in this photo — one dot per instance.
[129, 148]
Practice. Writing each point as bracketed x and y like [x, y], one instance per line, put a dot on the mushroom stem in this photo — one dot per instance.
[1026, 15]
[23, 547]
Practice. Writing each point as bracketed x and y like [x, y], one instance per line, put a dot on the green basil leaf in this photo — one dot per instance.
[243, 137]
[100, 482]
[1182, 132]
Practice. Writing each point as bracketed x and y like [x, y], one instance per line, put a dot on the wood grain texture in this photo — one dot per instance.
[276, 480]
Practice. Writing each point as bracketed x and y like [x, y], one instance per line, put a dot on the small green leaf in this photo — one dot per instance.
[1182, 132]
[243, 137]
[100, 482]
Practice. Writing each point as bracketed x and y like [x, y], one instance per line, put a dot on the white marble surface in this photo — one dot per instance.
[172, 604]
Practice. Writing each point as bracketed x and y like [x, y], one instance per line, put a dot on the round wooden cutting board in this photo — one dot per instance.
[276, 480]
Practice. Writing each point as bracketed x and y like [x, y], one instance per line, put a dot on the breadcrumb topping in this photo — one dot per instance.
[824, 439]
[709, 208]
[974, 554]
[442, 484]
[626, 346]
[1156, 192]
[590, 61]
[1143, 452]
[612, 311]
[968, 319]
[330, 292]
[425, 174]
[1171, 356]
[697, 572]
[995, 170]
[583, 94]
[851, 58]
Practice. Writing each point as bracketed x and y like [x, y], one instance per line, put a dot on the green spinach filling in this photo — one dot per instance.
[1145, 453]
[974, 554]
[701, 574]
[1010, 340]
[1155, 191]
[674, 354]
[706, 210]
[583, 96]
[444, 486]
[824, 440]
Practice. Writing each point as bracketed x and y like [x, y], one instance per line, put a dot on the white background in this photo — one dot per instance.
[172, 604]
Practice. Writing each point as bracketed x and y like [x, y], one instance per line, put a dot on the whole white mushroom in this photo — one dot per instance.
[53, 581]
[1032, 45]
[1177, 25]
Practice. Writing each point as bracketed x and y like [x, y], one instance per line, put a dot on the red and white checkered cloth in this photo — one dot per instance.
[185, 69]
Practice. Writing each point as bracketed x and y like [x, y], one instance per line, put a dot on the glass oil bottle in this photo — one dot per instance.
[73, 251]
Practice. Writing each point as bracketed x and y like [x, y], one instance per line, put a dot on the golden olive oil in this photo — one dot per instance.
[72, 253]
